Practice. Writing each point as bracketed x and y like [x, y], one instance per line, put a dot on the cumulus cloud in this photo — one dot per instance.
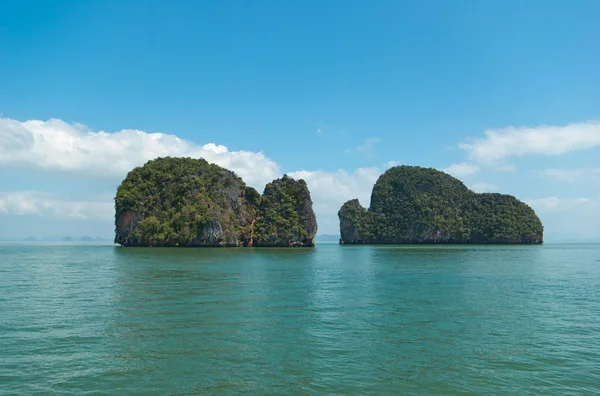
[51, 205]
[71, 148]
[462, 169]
[484, 187]
[55, 145]
[500, 144]
[329, 190]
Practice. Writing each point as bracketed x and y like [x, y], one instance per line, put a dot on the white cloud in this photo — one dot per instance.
[55, 145]
[484, 187]
[568, 218]
[500, 144]
[555, 204]
[572, 175]
[391, 164]
[329, 190]
[462, 169]
[544, 204]
[51, 205]
[366, 147]
[58, 146]
[319, 128]
[368, 144]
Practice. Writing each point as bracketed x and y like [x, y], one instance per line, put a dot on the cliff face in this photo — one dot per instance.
[187, 202]
[419, 205]
[286, 215]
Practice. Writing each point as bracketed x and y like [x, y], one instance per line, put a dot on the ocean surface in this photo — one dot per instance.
[96, 319]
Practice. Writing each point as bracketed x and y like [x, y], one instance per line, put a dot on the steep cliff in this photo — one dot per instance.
[411, 204]
[189, 202]
[286, 215]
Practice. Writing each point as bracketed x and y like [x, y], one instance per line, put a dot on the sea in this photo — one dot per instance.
[97, 319]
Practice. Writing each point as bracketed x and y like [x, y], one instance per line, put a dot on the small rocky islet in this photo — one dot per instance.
[189, 202]
[416, 205]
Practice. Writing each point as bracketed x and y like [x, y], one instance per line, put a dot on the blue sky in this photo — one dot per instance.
[334, 92]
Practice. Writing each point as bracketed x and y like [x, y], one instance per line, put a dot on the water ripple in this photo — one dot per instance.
[96, 320]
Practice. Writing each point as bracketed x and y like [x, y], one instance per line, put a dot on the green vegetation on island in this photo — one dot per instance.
[190, 202]
[414, 205]
[286, 215]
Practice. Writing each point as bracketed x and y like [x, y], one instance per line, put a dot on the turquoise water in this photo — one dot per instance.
[93, 319]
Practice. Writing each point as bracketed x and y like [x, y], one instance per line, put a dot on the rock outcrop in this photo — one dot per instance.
[414, 205]
[189, 202]
[286, 215]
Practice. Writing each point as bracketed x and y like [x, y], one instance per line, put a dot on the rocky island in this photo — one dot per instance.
[190, 202]
[415, 205]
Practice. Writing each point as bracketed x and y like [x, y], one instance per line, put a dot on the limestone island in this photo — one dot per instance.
[415, 205]
[190, 202]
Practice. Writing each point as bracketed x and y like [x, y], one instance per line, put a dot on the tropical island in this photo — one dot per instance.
[416, 205]
[189, 202]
